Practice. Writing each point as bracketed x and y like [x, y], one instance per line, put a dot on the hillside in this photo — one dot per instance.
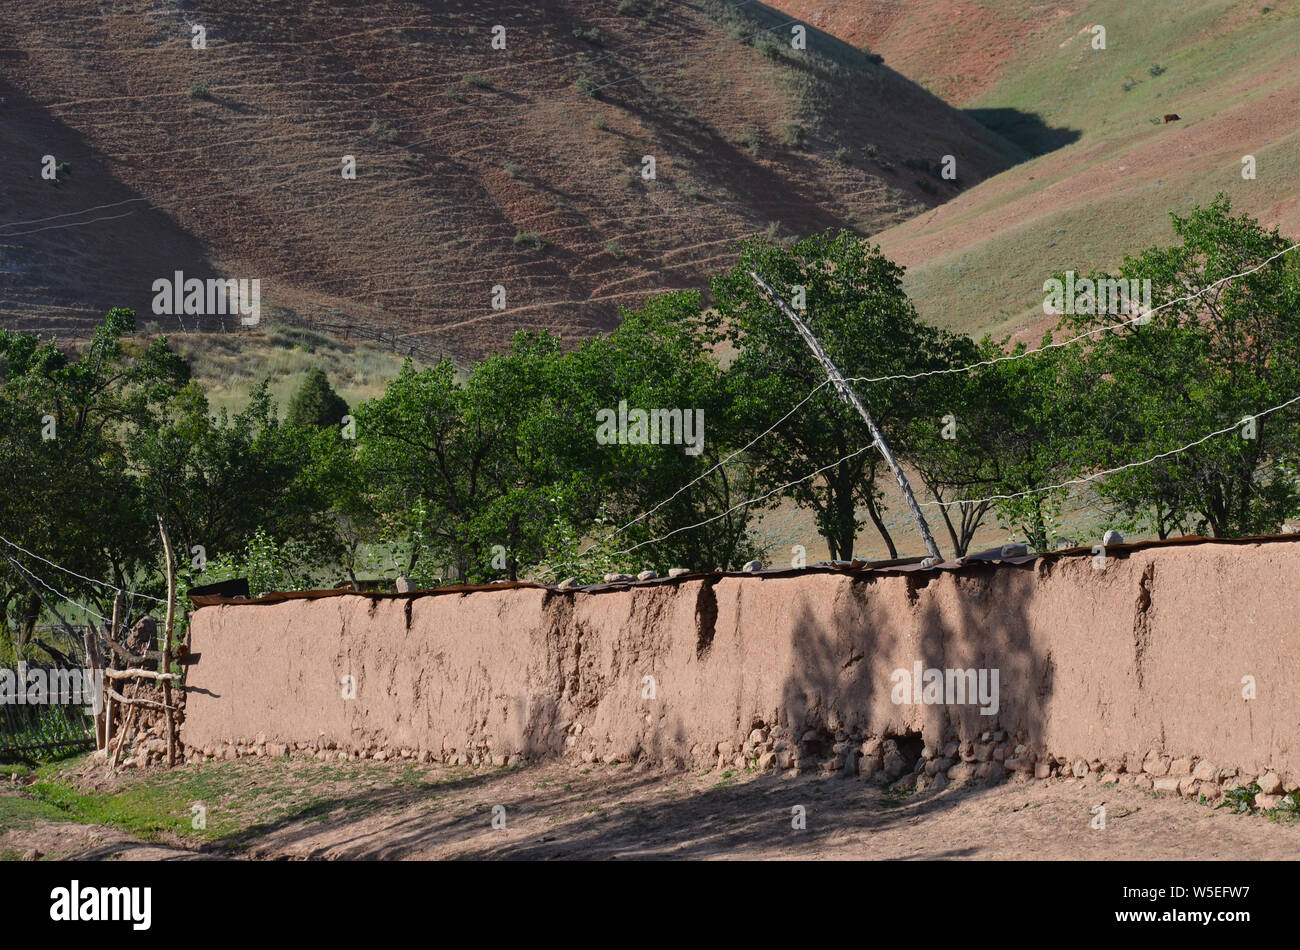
[476, 167]
[1108, 169]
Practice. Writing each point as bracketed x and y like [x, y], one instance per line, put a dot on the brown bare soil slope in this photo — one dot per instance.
[955, 48]
[475, 166]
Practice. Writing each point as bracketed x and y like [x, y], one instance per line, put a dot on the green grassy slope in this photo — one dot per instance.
[1227, 69]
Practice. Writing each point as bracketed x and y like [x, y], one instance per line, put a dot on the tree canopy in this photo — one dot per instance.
[664, 442]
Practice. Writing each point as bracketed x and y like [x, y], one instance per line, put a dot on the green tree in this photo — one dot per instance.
[526, 403]
[857, 309]
[1037, 407]
[316, 404]
[1201, 365]
[477, 475]
[72, 495]
[678, 496]
[338, 481]
[955, 454]
[217, 478]
[504, 474]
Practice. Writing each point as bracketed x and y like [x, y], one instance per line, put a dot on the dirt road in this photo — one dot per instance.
[310, 810]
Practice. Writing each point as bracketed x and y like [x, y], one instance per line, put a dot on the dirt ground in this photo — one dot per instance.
[563, 811]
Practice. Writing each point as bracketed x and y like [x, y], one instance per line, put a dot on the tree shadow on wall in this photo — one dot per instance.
[838, 685]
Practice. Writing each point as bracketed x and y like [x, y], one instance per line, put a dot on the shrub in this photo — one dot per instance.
[531, 238]
[616, 250]
[585, 86]
[1155, 70]
[479, 81]
[513, 169]
[316, 404]
[383, 131]
[793, 134]
[199, 90]
[768, 46]
[268, 564]
[844, 155]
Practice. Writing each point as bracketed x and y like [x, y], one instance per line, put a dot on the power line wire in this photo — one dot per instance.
[870, 445]
[1111, 471]
[83, 577]
[60, 593]
[1144, 317]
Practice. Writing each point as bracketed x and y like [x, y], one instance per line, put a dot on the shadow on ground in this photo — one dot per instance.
[1026, 129]
[557, 811]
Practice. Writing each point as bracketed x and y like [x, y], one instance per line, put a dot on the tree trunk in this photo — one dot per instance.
[880, 526]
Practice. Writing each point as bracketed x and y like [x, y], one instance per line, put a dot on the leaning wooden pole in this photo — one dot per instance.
[127, 719]
[852, 399]
[111, 663]
[167, 642]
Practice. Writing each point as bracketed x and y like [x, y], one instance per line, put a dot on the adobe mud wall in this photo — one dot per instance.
[1131, 673]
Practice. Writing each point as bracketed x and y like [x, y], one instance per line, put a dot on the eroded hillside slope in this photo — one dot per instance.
[520, 167]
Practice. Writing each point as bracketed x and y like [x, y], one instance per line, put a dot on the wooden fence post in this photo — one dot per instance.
[110, 636]
[93, 661]
[167, 642]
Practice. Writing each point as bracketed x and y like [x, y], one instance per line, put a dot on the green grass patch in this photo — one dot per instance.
[996, 284]
[231, 365]
[239, 797]
[20, 812]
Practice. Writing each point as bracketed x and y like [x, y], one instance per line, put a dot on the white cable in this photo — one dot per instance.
[750, 501]
[1112, 471]
[1031, 491]
[65, 570]
[1142, 317]
[81, 607]
[743, 448]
